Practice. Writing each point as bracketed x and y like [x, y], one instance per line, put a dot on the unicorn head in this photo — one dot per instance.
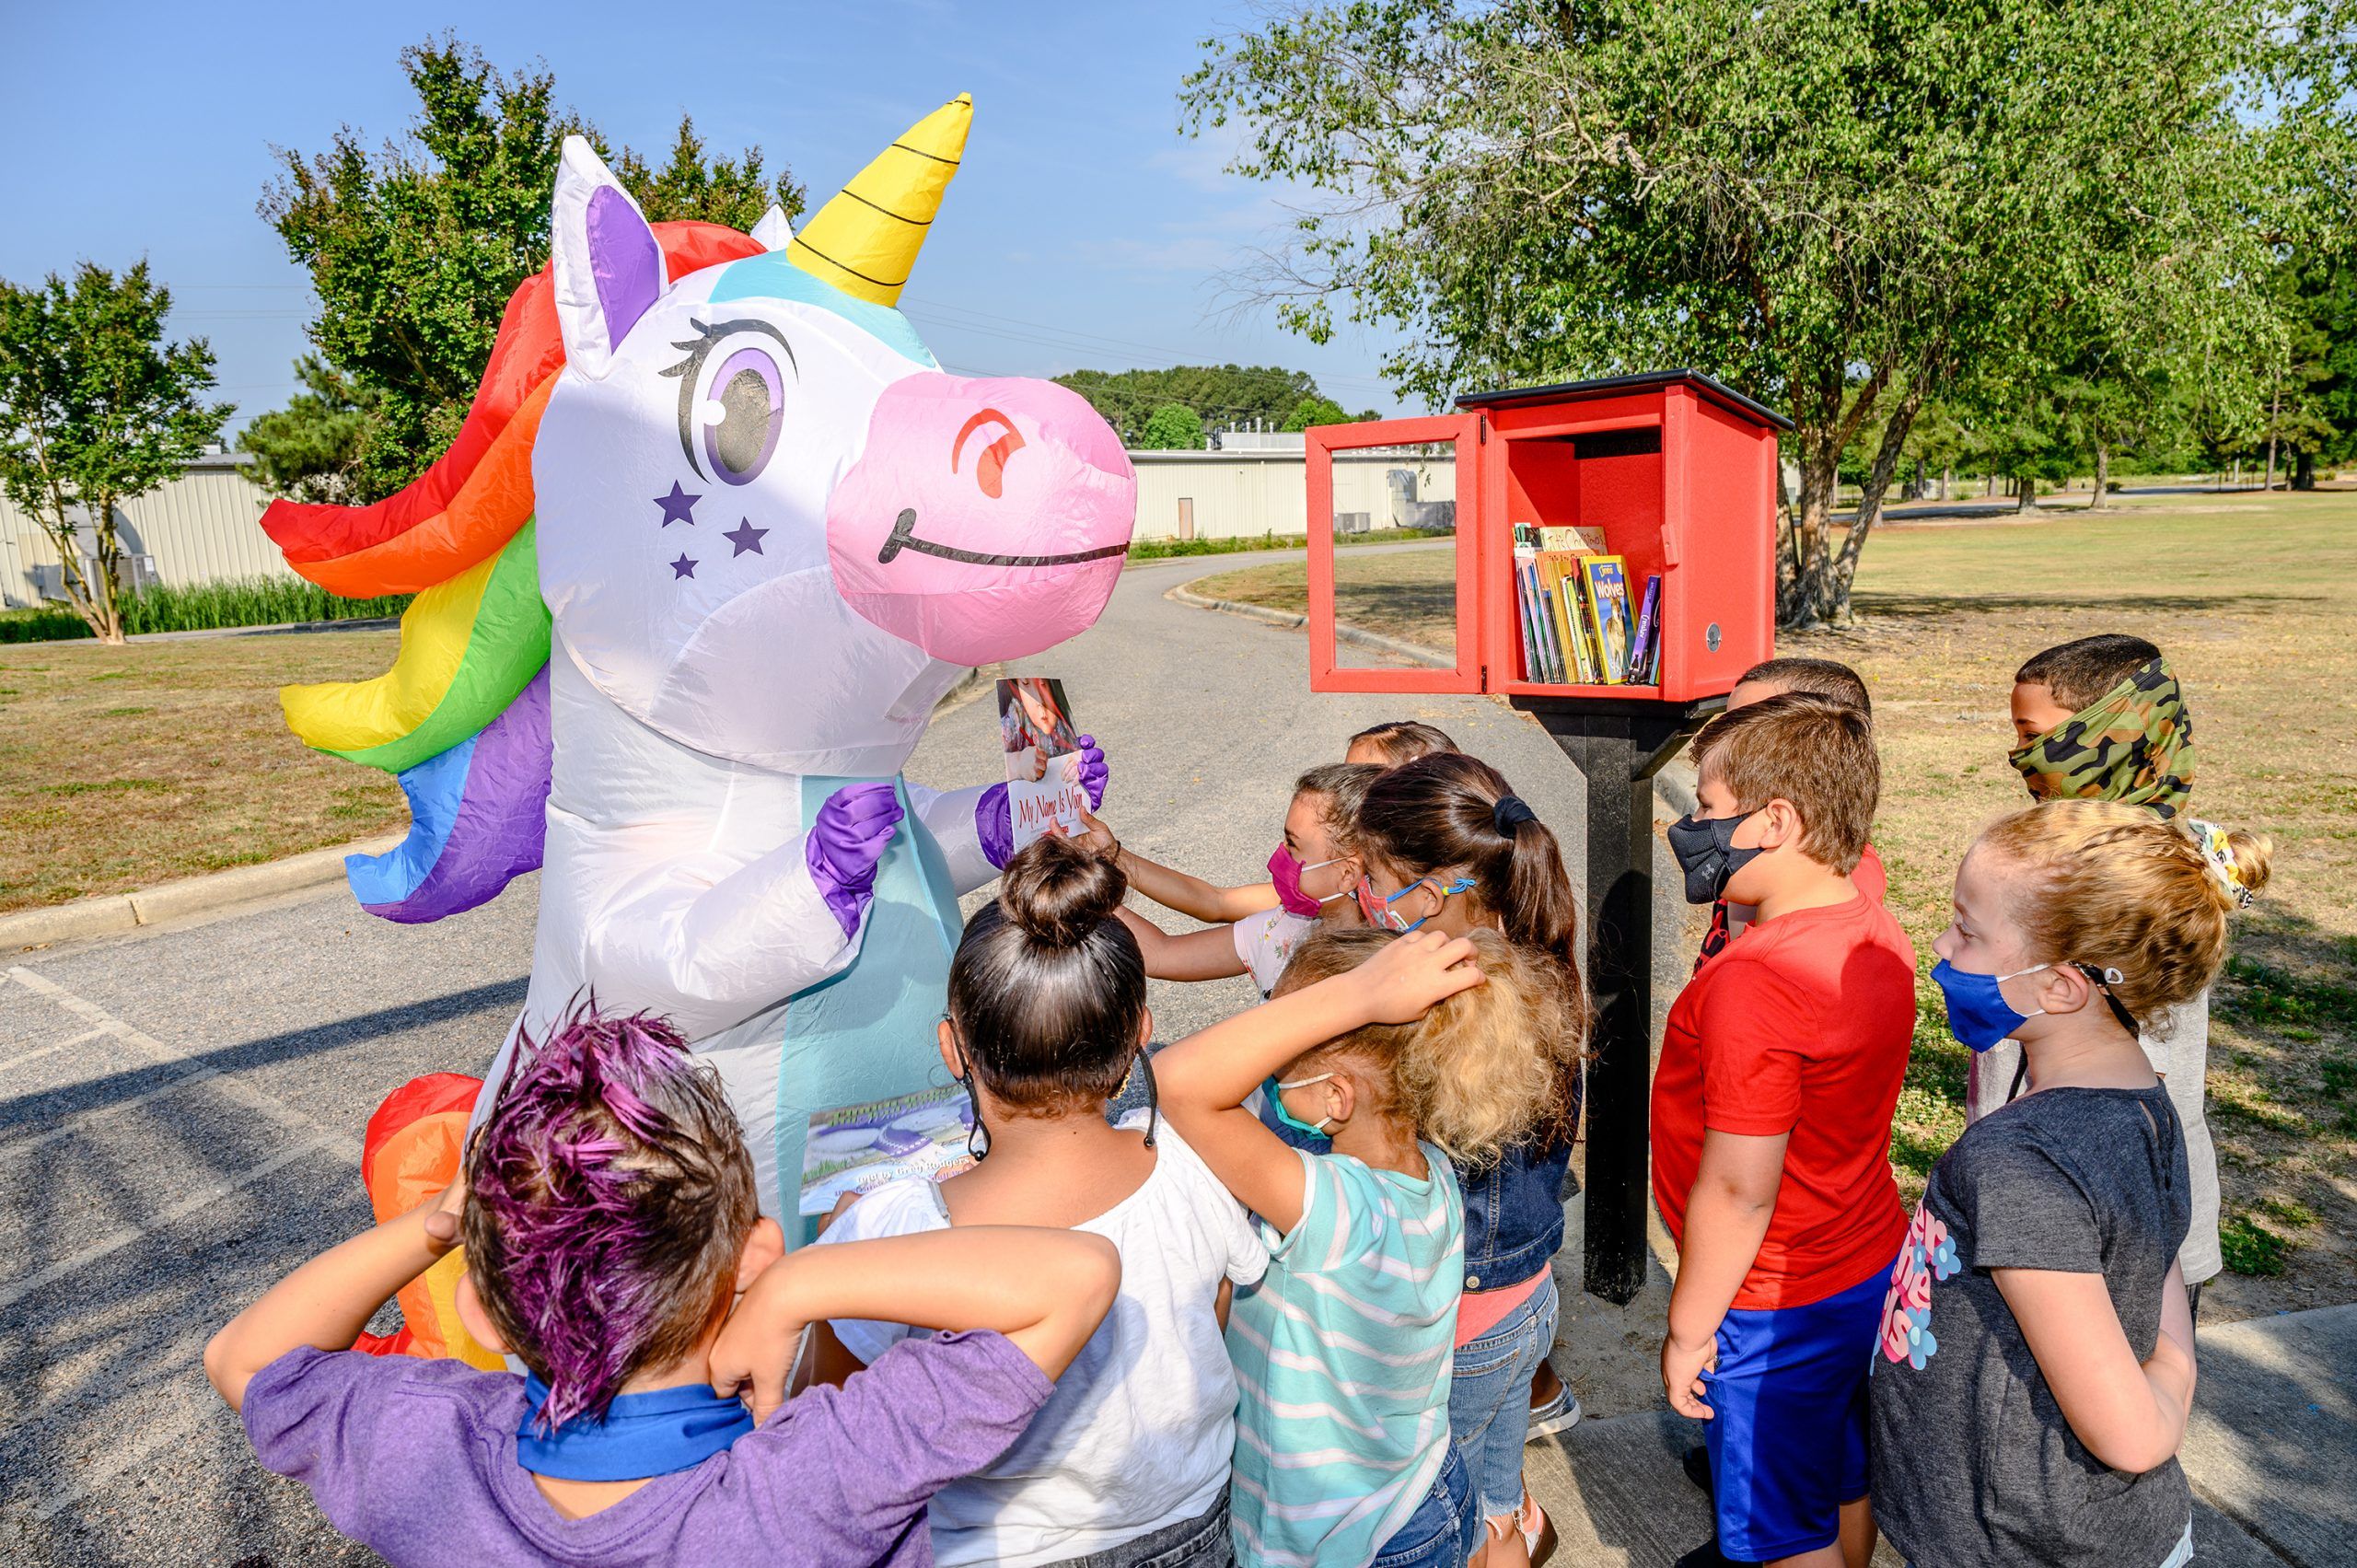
[770, 527]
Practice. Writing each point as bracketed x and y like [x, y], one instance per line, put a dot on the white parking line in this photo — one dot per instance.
[180, 1061]
[83, 1038]
[119, 1457]
[12, 1293]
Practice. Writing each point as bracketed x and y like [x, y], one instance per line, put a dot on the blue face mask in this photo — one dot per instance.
[1275, 1091]
[1383, 917]
[1979, 1013]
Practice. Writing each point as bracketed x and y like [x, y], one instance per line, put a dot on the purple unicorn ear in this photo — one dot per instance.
[609, 267]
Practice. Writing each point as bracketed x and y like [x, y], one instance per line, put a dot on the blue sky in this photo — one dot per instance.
[1083, 230]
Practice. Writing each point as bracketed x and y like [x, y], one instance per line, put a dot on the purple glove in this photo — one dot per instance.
[853, 828]
[995, 825]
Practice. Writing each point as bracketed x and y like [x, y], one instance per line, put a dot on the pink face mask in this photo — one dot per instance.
[1285, 874]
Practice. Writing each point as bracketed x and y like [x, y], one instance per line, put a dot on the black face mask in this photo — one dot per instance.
[1707, 855]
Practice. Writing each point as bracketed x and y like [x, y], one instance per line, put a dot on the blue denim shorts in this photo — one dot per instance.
[1488, 1398]
[1445, 1529]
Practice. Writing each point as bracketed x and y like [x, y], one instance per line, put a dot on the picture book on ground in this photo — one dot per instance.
[858, 1148]
[1605, 579]
[1042, 757]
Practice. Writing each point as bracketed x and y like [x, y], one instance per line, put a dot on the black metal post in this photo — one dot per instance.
[1618, 747]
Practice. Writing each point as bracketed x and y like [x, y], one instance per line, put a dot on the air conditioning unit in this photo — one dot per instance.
[1353, 522]
[49, 581]
[134, 574]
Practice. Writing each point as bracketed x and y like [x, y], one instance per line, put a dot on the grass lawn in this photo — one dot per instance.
[121, 768]
[2254, 598]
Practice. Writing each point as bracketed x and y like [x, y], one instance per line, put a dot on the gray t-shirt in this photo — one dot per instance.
[1974, 1464]
[2179, 1052]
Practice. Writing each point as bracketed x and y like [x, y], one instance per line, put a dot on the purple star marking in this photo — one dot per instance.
[745, 536]
[682, 567]
[679, 506]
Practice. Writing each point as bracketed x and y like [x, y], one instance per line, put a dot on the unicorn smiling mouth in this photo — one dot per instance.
[904, 537]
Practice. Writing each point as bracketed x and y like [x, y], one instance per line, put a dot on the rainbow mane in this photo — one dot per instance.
[446, 719]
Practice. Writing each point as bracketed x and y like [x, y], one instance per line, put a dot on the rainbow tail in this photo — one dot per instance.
[462, 718]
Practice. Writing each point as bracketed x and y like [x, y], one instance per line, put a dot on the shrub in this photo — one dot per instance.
[206, 607]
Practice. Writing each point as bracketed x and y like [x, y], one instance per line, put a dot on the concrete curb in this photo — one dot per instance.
[117, 913]
[114, 913]
[1352, 634]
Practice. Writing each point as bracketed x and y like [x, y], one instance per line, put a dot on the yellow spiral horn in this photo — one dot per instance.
[865, 241]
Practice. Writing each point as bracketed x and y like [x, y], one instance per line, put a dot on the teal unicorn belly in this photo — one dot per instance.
[868, 1033]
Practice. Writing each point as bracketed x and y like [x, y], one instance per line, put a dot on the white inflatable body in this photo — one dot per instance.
[772, 535]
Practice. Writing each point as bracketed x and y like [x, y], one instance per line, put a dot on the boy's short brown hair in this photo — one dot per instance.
[2079, 672]
[1825, 676]
[1817, 753]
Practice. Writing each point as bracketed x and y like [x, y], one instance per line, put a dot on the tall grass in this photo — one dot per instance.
[206, 607]
[1231, 544]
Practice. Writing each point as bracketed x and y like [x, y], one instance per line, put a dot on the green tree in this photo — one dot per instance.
[414, 248]
[1170, 428]
[310, 448]
[1313, 411]
[96, 409]
[1218, 394]
[1848, 210]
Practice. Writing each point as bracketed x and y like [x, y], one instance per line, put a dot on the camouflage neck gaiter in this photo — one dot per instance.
[2135, 744]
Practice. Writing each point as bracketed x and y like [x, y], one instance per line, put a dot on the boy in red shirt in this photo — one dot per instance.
[1772, 1108]
[1773, 678]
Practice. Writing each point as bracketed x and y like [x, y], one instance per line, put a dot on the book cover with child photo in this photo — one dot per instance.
[1042, 750]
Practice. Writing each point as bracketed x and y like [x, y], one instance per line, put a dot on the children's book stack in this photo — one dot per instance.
[1579, 627]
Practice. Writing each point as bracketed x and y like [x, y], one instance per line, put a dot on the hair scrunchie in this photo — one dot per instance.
[1510, 813]
[2212, 840]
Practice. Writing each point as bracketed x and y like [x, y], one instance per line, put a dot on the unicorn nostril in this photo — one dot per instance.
[990, 468]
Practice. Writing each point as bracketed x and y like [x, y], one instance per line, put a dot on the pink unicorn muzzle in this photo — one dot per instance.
[986, 518]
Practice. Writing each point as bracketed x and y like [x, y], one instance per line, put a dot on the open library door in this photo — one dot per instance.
[1395, 583]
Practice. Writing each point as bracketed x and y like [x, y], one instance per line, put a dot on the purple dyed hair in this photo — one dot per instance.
[610, 1194]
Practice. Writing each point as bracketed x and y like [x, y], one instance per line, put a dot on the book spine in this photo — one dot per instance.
[1536, 594]
[1576, 617]
[1557, 653]
[1641, 646]
[1547, 623]
[1531, 670]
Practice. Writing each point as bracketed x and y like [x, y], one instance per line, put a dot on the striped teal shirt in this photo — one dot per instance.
[1342, 1354]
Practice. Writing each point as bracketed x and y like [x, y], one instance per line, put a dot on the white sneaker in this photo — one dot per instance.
[1558, 1414]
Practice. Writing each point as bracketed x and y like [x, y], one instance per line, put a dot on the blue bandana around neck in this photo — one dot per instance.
[642, 1435]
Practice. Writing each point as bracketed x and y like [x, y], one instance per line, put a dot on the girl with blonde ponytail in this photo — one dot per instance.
[2036, 1366]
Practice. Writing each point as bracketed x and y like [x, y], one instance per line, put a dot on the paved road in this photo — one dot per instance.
[181, 1108]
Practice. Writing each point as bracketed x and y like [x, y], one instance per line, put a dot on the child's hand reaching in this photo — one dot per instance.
[1097, 838]
[1402, 984]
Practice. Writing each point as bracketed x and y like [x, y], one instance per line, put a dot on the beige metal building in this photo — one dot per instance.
[206, 525]
[202, 527]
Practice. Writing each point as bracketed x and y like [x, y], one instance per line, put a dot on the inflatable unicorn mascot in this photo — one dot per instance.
[715, 536]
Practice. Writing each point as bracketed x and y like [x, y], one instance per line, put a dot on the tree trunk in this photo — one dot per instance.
[1810, 595]
[2274, 423]
[2100, 499]
[1948, 478]
[2026, 495]
[1893, 436]
[1990, 488]
[2304, 470]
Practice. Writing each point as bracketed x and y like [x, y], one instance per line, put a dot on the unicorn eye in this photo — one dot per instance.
[743, 416]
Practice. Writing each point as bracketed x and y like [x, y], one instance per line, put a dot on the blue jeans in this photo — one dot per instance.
[1488, 1398]
[1445, 1529]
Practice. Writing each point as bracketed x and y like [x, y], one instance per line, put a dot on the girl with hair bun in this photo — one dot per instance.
[1129, 1461]
[2036, 1365]
[1449, 846]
